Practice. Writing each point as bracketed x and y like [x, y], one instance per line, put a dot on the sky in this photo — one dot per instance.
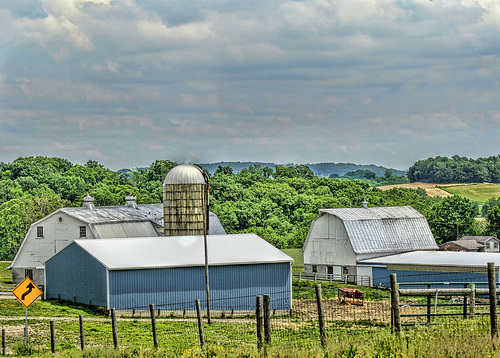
[127, 82]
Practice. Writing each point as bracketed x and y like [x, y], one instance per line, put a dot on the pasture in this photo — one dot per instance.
[478, 192]
[475, 192]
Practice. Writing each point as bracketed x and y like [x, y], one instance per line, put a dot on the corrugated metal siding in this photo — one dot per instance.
[381, 277]
[390, 235]
[109, 214]
[74, 275]
[231, 287]
[125, 229]
[385, 229]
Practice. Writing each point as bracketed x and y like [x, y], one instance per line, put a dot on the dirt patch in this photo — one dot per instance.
[430, 188]
[335, 311]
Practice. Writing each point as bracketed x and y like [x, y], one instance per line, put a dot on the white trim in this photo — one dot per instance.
[107, 289]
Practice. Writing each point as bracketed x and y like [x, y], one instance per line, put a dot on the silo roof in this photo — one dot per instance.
[184, 174]
[182, 251]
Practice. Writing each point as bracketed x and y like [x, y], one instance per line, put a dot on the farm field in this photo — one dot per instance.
[431, 189]
[479, 192]
[475, 192]
[349, 334]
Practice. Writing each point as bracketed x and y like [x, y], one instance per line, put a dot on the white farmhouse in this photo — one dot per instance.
[57, 230]
[339, 238]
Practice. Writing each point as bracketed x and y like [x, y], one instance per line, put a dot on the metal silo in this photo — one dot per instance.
[185, 201]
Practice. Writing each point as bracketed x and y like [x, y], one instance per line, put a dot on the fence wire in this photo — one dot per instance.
[178, 330]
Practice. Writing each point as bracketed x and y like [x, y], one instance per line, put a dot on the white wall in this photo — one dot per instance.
[57, 234]
[328, 243]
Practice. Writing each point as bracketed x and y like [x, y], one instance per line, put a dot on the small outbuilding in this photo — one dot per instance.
[169, 272]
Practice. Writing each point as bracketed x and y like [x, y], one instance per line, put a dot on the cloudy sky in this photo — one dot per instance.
[126, 82]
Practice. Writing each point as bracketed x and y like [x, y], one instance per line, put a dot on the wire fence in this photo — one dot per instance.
[178, 330]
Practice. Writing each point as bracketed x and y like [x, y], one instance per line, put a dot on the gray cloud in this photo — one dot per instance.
[127, 82]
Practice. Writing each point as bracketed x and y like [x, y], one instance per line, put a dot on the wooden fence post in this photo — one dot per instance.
[493, 299]
[82, 335]
[428, 306]
[52, 337]
[321, 317]
[153, 324]
[267, 320]
[396, 327]
[115, 330]
[260, 321]
[200, 324]
[472, 300]
[3, 341]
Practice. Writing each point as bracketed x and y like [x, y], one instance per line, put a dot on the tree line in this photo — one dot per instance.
[456, 170]
[277, 204]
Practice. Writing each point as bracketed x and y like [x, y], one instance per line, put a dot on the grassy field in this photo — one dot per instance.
[479, 193]
[291, 337]
[475, 192]
[298, 258]
[5, 275]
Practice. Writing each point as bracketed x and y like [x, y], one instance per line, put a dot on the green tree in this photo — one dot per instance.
[493, 219]
[452, 218]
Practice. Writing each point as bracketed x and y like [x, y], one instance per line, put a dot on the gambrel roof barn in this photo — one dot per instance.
[339, 238]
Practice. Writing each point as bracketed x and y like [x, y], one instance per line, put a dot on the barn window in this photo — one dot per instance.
[28, 273]
[314, 268]
[39, 231]
[330, 270]
[83, 231]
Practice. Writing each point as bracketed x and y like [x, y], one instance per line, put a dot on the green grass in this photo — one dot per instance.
[48, 308]
[298, 258]
[462, 338]
[475, 192]
[5, 275]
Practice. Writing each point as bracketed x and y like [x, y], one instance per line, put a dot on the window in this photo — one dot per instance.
[39, 231]
[83, 231]
[314, 268]
[28, 273]
[330, 270]
[495, 245]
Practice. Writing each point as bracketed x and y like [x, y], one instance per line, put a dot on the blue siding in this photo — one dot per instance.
[381, 277]
[74, 275]
[231, 287]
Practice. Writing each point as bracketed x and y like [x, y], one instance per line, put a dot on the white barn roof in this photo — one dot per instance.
[385, 229]
[433, 259]
[182, 251]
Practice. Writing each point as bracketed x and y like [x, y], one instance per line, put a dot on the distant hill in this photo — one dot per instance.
[319, 169]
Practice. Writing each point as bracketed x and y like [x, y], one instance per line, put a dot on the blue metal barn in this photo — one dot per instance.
[451, 268]
[169, 272]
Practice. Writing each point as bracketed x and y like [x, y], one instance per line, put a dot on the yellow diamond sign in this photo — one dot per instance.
[27, 292]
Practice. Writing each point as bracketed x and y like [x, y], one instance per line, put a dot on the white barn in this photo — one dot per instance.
[339, 238]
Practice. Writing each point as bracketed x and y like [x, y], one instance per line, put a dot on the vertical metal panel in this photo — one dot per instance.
[74, 275]
[381, 277]
[231, 287]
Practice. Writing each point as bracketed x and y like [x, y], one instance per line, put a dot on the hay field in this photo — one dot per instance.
[478, 192]
[430, 188]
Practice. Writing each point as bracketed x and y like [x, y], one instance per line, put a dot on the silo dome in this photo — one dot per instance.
[185, 201]
[185, 174]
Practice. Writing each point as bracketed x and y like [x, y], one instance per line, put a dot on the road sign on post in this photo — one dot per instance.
[27, 292]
